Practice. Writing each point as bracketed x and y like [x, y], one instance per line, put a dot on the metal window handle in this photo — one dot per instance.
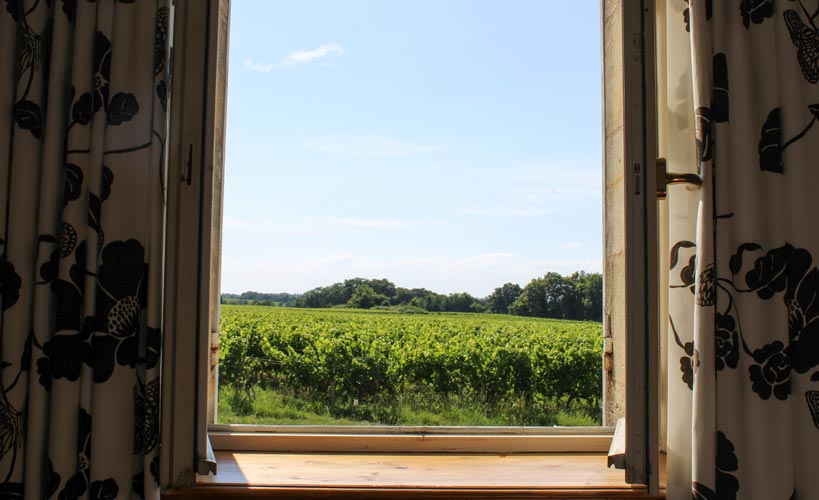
[664, 178]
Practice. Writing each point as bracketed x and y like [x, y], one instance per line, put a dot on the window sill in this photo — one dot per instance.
[445, 476]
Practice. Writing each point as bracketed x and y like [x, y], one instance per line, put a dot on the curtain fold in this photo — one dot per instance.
[743, 277]
[83, 89]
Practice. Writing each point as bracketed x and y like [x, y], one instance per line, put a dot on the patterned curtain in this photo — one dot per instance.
[83, 88]
[744, 250]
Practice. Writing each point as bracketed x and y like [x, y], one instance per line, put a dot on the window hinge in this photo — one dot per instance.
[617, 450]
[608, 354]
[207, 464]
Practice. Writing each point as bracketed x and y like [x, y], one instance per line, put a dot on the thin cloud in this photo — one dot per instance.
[475, 274]
[259, 67]
[296, 58]
[308, 56]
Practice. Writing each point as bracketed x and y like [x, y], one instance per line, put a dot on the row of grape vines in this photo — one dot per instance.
[343, 357]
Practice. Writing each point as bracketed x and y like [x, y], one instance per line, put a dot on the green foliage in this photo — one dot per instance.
[362, 364]
[578, 296]
[503, 297]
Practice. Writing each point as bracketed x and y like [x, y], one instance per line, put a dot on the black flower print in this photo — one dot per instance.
[727, 342]
[104, 490]
[153, 347]
[154, 468]
[709, 11]
[13, 8]
[806, 40]
[91, 102]
[107, 182]
[11, 428]
[813, 406]
[700, 491]
[77, 485]
[772, 374]
[727, 484]
[770, 143]
[755, 11]
[73, 183]
[769, 275]
[10, 284]
[122, 108]
[720, 102]
[138, 484]
[33, 50]
[802, 300]
[28, 116]
[705, 140]
[68, 240]
[690, 361]
[70, 9]
[160, 40]
[162, 94]
[146, 416]
[52, 481]
[120, 299]
[69, 305]
[11, 491]
[689, 364]
[706, 286]
[63, 357]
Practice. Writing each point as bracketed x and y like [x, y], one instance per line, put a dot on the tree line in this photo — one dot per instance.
[577, 296]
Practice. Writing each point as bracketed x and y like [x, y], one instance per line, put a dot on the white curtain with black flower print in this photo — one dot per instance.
[83, 88]
[742, 102]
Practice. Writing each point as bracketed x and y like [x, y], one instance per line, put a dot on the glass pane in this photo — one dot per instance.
[412, 226]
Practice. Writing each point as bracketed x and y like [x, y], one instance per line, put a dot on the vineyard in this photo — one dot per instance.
[354, 366]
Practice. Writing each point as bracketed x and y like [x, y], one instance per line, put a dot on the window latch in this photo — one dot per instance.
[664, 178]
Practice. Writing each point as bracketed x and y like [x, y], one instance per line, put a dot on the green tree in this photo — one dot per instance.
[364, 297]
[503, 297]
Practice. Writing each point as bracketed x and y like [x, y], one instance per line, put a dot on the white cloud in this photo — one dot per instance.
[311, 226]
[296, 58]
[475, 274]
[259, 67]
[369, 146]
[307, 56]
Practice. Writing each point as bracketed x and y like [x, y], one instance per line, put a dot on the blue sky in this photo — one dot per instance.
[453, 145]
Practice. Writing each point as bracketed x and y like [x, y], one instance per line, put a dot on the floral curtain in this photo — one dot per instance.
[83, 88]
[744, 284]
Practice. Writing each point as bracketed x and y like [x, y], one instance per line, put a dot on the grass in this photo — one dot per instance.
[270, 407]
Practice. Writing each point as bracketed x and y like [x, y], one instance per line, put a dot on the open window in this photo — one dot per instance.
[197, 117]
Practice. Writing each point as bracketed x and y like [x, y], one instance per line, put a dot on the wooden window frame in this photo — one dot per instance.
[193, 241]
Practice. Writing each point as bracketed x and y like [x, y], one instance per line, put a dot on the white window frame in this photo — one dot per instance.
[193, 240]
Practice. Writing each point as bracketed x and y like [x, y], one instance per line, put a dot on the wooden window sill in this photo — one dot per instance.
[443, 476]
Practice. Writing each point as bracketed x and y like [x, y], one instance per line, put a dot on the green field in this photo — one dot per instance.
[347, 366]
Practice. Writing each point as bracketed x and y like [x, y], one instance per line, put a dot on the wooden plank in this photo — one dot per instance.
[410, 443]
[214, 493]
[563, 471]
[405, 476]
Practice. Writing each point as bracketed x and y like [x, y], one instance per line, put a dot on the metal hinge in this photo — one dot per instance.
[664, 178]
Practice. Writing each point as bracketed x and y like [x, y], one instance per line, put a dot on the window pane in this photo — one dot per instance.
[413, 192]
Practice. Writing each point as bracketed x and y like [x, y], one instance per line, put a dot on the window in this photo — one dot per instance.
[197, 118]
